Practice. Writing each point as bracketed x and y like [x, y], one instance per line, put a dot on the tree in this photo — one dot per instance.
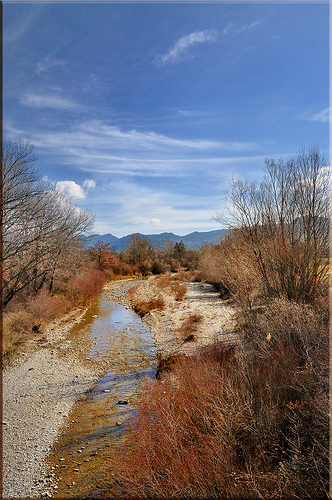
[281, 226]
[40, 227]
[102, 254]
[139, 249]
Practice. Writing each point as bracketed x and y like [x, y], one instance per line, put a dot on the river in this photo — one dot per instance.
[81, 458]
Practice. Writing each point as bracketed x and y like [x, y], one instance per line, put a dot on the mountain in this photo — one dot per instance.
[191, 240]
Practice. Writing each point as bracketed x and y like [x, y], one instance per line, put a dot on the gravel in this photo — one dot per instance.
[38, 394]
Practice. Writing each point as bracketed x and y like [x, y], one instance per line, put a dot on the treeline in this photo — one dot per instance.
[142, 257]
[250, 420]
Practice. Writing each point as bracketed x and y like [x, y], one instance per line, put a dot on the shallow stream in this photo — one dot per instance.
[123, 346]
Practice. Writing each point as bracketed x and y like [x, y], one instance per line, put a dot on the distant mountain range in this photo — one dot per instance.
[191, 240]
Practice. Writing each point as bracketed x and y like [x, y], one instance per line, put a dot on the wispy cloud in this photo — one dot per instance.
[95, 146]
[21, 26]
[47, 63]
[236, 29]
[179, 50]
[89, 184]
[322, 116]
[138, 207]
[47, 101]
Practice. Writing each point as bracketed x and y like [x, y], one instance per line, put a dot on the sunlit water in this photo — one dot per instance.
[123, 345]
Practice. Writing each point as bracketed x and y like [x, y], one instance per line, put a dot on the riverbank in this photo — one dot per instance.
[39, 390]
[42, 386]
[200, 300]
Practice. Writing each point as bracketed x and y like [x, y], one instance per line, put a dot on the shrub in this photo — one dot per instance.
[143, 307]
[43, 307]
[86, 286]
[230, 423]
[179, 291]
[189, 326]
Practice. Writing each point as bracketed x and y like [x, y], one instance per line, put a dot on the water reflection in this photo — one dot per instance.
[124, 346]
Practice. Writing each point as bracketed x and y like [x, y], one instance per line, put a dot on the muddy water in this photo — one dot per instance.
[122, 345]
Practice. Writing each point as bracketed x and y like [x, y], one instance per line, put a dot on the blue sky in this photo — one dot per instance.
[143, 113]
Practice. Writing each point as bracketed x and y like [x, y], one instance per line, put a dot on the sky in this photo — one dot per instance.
[143, 113]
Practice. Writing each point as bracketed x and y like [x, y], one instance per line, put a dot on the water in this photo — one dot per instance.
[123, 346]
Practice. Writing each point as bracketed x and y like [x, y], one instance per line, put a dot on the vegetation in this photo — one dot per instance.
[249, 421]
[46, 270]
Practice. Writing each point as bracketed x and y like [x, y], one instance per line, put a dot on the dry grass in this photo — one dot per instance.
[179, 292]
[189, 327]
[233, 423]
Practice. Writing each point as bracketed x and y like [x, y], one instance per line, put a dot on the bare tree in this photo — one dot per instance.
[39, 225]
[282, 226]
[139, 249]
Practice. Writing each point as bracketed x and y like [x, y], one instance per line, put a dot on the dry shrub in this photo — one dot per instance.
[298, 326]
[17, 328]
[86, 286]
[179, 291]
[143, 307]
[185, 275]
[189, 327]
[233, 423]
[164, 281]
[167, 281]
[43, 307]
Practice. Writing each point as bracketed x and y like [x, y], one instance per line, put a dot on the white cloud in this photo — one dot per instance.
[89, 184]
[47, 101]
[47, 64]
[181, 46]
[234, 29]
[155, 221]
[17, 30]
[70, 189]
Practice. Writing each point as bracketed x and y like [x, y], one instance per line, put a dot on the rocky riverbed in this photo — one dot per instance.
[41, 388]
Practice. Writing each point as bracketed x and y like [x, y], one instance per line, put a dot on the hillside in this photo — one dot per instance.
[191, 240]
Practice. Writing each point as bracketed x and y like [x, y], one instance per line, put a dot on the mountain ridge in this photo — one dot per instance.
[191, 240]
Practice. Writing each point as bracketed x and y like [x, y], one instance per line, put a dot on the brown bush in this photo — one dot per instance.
[189, 327]
[86, 286]
[43, 307]
[143, 307]
[179, 291]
